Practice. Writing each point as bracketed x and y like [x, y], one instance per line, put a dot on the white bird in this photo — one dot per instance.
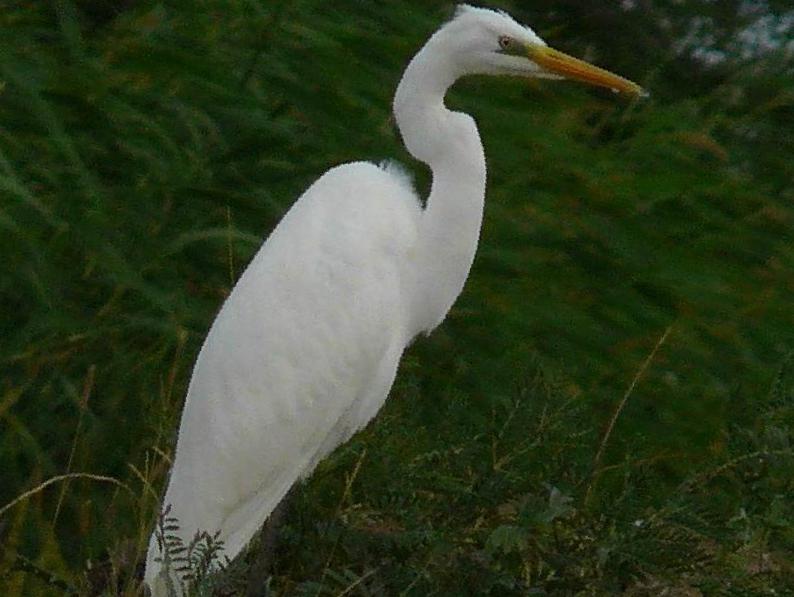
[306, 347]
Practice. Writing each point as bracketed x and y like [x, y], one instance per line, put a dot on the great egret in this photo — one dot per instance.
[305, 349]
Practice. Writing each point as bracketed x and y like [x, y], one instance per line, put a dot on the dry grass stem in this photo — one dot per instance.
[57, 479]
[621, 405]
[88, 386]
[348, 485]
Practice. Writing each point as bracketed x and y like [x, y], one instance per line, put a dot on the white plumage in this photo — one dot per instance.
[305, 349]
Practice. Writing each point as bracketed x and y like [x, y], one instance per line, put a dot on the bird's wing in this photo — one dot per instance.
[301, 355]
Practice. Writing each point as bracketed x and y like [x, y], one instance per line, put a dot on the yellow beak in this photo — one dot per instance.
[558, 63]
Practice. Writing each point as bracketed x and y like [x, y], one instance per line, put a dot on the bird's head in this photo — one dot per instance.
[482, 41]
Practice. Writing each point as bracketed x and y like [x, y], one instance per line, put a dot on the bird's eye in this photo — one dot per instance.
[506, 42]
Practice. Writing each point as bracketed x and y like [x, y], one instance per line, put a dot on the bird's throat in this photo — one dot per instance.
[449, 143]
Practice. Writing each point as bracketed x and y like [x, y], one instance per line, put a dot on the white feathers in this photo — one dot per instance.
[499, 22]
[400, 173]
[305, 349]
[301, 355]
[462, 9]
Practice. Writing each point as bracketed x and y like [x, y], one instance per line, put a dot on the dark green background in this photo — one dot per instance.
[147, 148]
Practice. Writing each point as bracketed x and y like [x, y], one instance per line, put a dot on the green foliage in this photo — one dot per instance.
[509, 511]
[147, 147]
[195, 569]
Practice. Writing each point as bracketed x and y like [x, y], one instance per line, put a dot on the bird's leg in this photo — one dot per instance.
[266, 548]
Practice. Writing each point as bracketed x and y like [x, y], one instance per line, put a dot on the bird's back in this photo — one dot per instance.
[301, 355]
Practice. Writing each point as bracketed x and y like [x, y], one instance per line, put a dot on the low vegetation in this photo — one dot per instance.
[607, 410]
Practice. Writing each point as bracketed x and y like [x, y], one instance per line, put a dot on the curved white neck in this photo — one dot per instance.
[450, 144]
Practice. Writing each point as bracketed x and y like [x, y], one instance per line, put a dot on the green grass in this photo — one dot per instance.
[143, 158]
